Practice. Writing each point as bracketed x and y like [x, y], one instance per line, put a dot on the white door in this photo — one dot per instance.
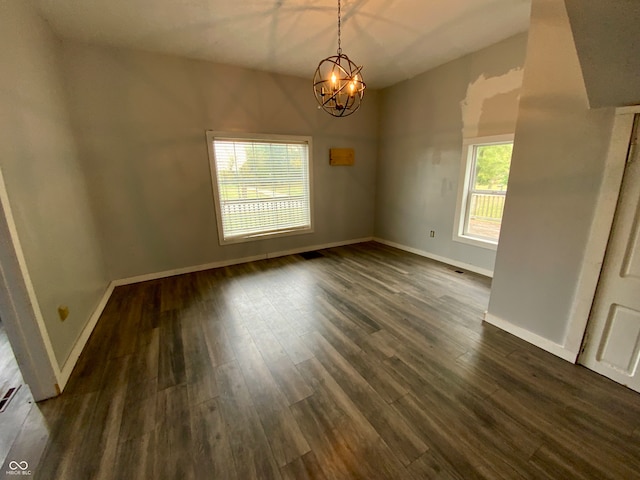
[612, 344]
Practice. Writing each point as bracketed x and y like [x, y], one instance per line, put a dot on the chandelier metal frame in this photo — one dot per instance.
[338, 84]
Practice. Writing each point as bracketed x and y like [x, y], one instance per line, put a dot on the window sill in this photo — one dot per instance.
[265, 236]
[477, 242]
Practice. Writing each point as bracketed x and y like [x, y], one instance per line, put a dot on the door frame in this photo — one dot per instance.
[600, 228]
[20, 311]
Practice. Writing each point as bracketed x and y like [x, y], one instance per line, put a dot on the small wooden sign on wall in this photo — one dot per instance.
[341, 156]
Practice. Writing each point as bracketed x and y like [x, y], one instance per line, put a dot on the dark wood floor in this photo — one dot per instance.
[366, 362]
[16, 410]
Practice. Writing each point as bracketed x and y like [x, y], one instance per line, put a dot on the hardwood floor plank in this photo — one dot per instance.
[306, 467]
[291, 383]
[565, 439]
[351, 311]
[283, 434]
[347, 327]
[358, 391]
[404, 443]
[293, 346]
[432, 465]
[173, 406]
[476, 427]
[557, 464]
[173, 451]
[15, 414]
[282, 369]
[69, 421]
[124, 339]
[317, 428]
[171, 363]
[213, 457]
[441, 439]
[328, 400]
[335, 336]
[199, 367]
[251, 452]
[388, 386]
[139, 413]
[218, 345]
[340, 443]
[136, 458]
[619, 412]
[381, 345]
[93, 441]
[104, 433]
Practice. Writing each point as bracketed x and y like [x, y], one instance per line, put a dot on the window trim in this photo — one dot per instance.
[466, 167]
[212, 135]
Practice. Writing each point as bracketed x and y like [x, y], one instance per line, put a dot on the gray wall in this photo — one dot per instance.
[607, 36]
[142, 117]
[557, 166]
[44, 180]
[422, 125]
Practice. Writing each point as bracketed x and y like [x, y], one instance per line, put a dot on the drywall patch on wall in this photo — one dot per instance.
[481, 91]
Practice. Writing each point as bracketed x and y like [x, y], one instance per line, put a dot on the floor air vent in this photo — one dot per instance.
[311, 255]
[4, 402]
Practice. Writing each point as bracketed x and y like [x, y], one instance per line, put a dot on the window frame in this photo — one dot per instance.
[467, 171]
[213, 135]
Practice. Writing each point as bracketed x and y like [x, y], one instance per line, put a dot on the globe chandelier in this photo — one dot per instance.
[338, 84]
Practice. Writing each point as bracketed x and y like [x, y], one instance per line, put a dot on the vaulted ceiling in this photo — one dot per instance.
[393, 39]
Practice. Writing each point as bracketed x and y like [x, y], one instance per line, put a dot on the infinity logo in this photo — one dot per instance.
[13, 465]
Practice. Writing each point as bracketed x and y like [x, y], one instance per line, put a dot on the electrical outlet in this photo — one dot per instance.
[432, 233]
[63, 312]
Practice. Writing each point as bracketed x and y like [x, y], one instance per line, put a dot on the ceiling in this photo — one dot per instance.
[393, 39]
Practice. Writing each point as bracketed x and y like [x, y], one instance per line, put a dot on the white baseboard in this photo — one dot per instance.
[72, 359]
[533, 338]
[433, 256]
[235, 261]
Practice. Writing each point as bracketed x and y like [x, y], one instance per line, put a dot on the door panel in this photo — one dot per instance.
[612, 345]
[619, 346]
[632, 260]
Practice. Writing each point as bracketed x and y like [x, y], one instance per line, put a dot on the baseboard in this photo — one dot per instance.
[533, 338]
[236, 261]
[72, 359]
[433, 256]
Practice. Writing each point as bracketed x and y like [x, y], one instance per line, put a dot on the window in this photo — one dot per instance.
[261, 185]
[483, 187]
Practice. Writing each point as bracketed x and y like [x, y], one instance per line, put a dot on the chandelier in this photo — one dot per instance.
[338, 84]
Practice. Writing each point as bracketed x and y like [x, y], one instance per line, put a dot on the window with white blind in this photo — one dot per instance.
[261, 185]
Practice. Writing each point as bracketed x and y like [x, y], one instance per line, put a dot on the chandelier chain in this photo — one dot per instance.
[339, 28]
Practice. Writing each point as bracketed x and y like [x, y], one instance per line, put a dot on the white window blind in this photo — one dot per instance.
[261, 186]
